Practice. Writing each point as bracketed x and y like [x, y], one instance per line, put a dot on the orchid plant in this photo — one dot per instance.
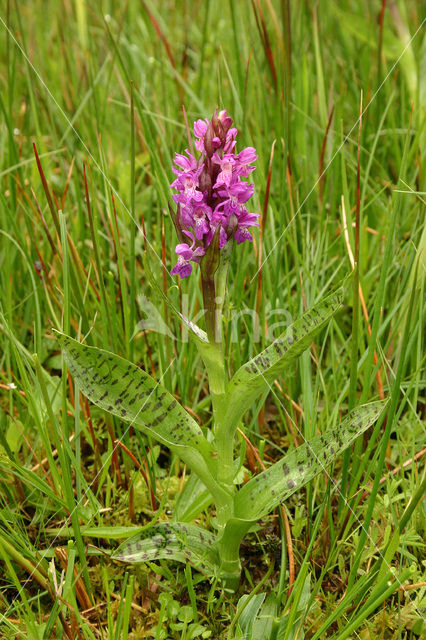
[210, 219]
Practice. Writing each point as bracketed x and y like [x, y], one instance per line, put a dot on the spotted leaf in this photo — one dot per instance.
[172, 541]
[123, 389]
[270, 488]
[256, 376]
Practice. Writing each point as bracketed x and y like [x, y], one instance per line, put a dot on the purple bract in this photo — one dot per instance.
[211, 192]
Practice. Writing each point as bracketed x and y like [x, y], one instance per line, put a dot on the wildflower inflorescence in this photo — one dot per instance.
[211, 194]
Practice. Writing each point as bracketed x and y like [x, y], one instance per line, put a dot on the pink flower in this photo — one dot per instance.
[185, 254]
[211, 192]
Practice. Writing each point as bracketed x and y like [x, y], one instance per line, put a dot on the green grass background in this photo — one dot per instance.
[99, 89]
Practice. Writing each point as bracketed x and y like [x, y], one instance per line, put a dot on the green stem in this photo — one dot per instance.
[210, 310]
[224, 437]
[213, 359]
[229, 543]
[214, 282]
[214, 290]
[223, 440]
[221, 277]
[230, 566]
[215, 364]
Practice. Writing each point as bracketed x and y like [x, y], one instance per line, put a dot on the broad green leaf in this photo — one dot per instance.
[172, 541]
[123, 389]
[248, 614]
[256, 375]
[192, 500]
[264, 622]
[106, 532]
[13, 437]
[270, 488]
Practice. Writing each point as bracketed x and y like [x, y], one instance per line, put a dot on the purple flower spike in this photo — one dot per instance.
[211, 192]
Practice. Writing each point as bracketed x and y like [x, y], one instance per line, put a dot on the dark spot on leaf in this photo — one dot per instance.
[278, 349]
[159, 418]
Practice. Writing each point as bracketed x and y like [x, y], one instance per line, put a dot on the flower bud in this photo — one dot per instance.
[208, 141]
